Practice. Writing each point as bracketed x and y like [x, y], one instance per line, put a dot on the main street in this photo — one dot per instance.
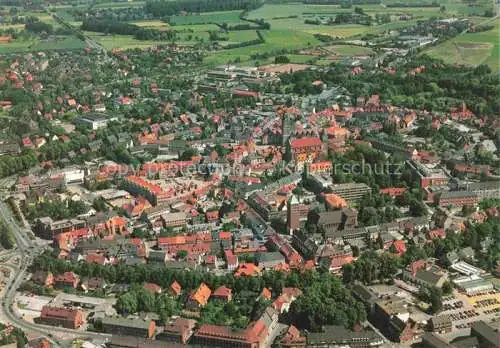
[27, 249]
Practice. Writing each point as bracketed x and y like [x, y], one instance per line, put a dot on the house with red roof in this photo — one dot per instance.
[153, 288]
[266, 294]
[65, 317]
[199, 297]
[27, 143]
[292, 338]
[254, 336]
[98, 259]
[67, 279]
[222, 293]
[175, 289]
[436, 233]
[399, 247]
[231, 259]
[247, 270]
[212, 216]
[392, 191]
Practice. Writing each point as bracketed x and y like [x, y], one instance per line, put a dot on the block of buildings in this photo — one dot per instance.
[58, 316]
[125, 326]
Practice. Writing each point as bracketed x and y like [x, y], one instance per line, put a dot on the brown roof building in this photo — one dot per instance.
[179, 331]
[66, 317]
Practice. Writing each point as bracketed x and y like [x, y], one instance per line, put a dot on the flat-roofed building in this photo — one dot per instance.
[94, 120]
[338, 336]
[124, 326]
[473, 284]
[486, 335]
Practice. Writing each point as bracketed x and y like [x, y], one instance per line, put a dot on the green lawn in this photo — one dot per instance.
[471, 48]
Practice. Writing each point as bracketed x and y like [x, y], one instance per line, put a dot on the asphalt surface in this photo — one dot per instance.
[27, 249]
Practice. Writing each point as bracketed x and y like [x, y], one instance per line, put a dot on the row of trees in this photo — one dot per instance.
[161, 8]
[122, 28]
[309, 312]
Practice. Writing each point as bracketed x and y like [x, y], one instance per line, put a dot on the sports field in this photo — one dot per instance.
[472, 48]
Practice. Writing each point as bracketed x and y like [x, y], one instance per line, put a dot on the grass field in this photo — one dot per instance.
[275, 41]
[37, 45]
[122, 41]
[229, 17]
[349, 50]
[120, 4]
[471, 48]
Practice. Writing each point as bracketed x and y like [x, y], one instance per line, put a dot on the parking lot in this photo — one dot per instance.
[464, 310]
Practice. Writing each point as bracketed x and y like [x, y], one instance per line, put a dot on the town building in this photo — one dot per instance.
[125, 326]
[338, 336]
[59, 316]
[441, 323]
[94, 120]
[178, 331]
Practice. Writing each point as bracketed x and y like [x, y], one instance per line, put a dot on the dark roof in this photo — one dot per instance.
[139, 342]
[485, 332]
[441, 319]
[125, 322]
[339, 334]
[431, 340]
[269, 256]
[428, 276]
[465, 342]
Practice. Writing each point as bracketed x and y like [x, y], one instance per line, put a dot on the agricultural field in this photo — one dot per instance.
[230, 17]
[125, 4]
[122, 41]
[58, 43]
[472, 48]
[153, 24]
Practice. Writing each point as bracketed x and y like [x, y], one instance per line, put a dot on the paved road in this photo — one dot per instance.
[27, 249]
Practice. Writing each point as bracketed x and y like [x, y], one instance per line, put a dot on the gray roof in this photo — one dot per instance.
[441, 319]
[269, 257]
[126, 322]
[432, 340]
[339, 334]
[428, 276]
[485, 332]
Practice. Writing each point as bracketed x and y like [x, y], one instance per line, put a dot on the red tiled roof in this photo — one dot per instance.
[176, 288]
[248, 270]
[266, 293]
[60, 313]
[305, 142]
[254, 333]
[201, 295]
[295, 292]
[222, 291]
[152, 287]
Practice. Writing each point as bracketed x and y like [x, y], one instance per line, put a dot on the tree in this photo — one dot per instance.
[127, 303]
[435, 299]
[281, 60]
[447, 288]
[181, 254]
